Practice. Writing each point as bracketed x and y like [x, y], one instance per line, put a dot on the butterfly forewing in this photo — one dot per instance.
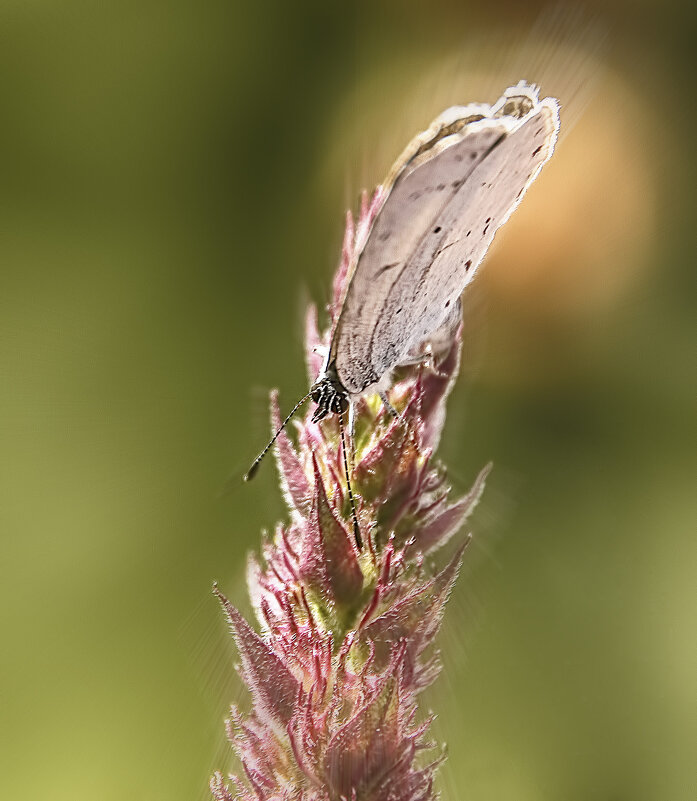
[454, 186]
[446, 259]
[417, 197]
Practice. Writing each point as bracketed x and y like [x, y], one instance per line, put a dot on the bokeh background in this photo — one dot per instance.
[173, 178]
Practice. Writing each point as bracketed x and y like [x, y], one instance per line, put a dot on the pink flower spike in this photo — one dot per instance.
[273, 686]
[314, 349]
[219, 789]
[347, 636]
[437, 532]
[329, 559]
[416, 617]
[293, 480]
[365, 748]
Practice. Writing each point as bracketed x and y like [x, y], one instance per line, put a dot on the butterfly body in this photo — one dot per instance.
[329, 395]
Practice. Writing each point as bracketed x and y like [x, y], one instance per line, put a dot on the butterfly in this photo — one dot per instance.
[452, 188]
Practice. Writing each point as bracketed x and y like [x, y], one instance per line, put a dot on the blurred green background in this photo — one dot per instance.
[172, 187]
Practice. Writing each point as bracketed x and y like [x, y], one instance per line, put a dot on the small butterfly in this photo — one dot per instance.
[452, 188]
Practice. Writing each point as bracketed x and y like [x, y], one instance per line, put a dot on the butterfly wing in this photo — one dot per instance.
[454, 186]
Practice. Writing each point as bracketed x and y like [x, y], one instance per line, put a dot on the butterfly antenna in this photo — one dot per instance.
[249, 475]
[356, 527]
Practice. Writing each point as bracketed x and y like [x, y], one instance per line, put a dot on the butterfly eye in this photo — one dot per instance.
[317, 393]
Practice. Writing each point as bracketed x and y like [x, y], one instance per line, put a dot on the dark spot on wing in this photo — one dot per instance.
[538, 131]
[468, 264]
[437, 229]
[456, 184]
[398, 310]
[536, 150]
[486, 226]
[386, 267]
[440, 187]
[415, 196]
[473, 156]
[384, 236]
[468, 233]
[447, 304]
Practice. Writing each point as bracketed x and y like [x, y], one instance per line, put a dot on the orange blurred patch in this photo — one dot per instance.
[586, 230]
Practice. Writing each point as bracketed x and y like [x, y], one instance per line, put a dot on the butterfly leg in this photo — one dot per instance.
[352, 430]
[430, 363]
[388, 406]
[347, 472]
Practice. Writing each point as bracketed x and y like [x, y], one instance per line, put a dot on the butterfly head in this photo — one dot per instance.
[329, 394]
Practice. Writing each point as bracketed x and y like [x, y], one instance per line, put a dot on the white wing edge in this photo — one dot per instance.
[552, 104]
